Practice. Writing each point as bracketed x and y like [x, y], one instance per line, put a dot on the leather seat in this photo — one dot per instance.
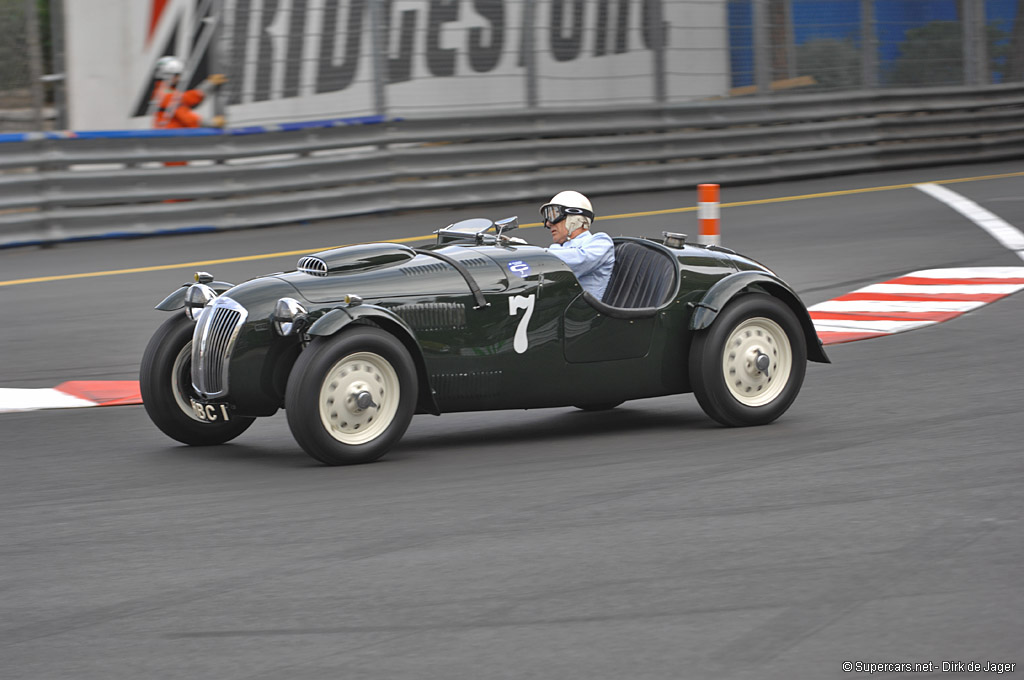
[644, 279]
[644, 276]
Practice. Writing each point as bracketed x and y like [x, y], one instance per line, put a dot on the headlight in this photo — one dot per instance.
[289, 316]
[197, 297]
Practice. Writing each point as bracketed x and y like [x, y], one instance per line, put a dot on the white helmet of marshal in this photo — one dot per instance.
[168, 67]
[565, 204]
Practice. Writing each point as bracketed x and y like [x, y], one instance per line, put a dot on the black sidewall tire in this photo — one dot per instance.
[155, 385]
[302, 396]
[705, 364]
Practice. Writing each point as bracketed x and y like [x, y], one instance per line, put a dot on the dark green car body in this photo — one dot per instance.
[535, 341]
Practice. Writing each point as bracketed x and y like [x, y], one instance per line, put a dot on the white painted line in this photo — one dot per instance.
[869, 325]
[940, 289]
[1008, 235]
[971, 273]
[19, 399]
[896, 306]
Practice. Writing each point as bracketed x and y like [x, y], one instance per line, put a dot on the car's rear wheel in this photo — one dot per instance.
[165, 381]
[747, 368]
[350, 397]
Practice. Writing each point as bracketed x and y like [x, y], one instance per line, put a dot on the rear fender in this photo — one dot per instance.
[719, 295]
[176, 300]
[343, 317]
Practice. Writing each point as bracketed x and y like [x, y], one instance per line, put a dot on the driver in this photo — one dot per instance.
[590, 255]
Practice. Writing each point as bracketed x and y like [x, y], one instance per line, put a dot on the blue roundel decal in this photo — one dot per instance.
[519, 267]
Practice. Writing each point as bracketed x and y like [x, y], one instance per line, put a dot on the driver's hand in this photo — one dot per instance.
[513, 240]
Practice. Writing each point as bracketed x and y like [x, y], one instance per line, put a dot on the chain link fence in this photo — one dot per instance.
[15, 97]
[303, 60]
[863, 44]
[25, 58]
[516, 54]
[403, 56]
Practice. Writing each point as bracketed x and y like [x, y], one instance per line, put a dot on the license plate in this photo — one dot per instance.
[211, 413]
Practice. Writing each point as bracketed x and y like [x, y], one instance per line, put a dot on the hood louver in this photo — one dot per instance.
[313, 266]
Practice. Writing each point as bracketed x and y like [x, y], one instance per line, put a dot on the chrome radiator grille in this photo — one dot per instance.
[212, 342]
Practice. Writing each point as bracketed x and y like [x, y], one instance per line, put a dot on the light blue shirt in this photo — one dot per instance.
[591, 256]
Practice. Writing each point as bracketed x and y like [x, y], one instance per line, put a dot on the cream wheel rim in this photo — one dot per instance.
[359, 398]
[181, 376]
[757, 361]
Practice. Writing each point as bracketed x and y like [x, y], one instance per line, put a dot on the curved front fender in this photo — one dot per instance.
[719, 295]
[330, 323]
[176, 300]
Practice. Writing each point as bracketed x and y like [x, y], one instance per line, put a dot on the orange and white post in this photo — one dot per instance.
[708, 214]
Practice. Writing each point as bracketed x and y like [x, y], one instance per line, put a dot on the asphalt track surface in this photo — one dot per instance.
[878, 521]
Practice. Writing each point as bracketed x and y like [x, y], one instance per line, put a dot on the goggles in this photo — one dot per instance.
[556, 213]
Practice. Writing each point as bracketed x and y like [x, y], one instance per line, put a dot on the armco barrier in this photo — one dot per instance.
[60, 186]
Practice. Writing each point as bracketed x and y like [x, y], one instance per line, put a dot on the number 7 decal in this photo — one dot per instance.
[516, 303]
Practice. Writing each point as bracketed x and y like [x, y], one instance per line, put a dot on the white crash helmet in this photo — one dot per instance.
[168, 67]
[566, 203]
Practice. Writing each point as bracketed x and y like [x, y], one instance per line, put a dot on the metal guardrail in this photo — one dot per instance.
[62, 186]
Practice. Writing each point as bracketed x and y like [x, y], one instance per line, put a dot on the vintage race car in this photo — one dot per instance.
[361, 338]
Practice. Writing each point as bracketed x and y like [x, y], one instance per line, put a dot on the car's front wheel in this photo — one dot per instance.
[165, 381]
[350, 397]
[747, 368]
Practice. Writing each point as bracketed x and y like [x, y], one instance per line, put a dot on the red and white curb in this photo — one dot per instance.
[73, 394]
[916, 300]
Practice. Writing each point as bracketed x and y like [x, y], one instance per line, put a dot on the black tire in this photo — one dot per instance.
[606, 406]
[727, 384]
[326, 383]
[165, 381]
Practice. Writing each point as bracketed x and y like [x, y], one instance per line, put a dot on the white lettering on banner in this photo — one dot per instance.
[292, 60]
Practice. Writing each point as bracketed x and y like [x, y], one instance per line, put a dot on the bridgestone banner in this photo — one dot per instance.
[299, 60]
